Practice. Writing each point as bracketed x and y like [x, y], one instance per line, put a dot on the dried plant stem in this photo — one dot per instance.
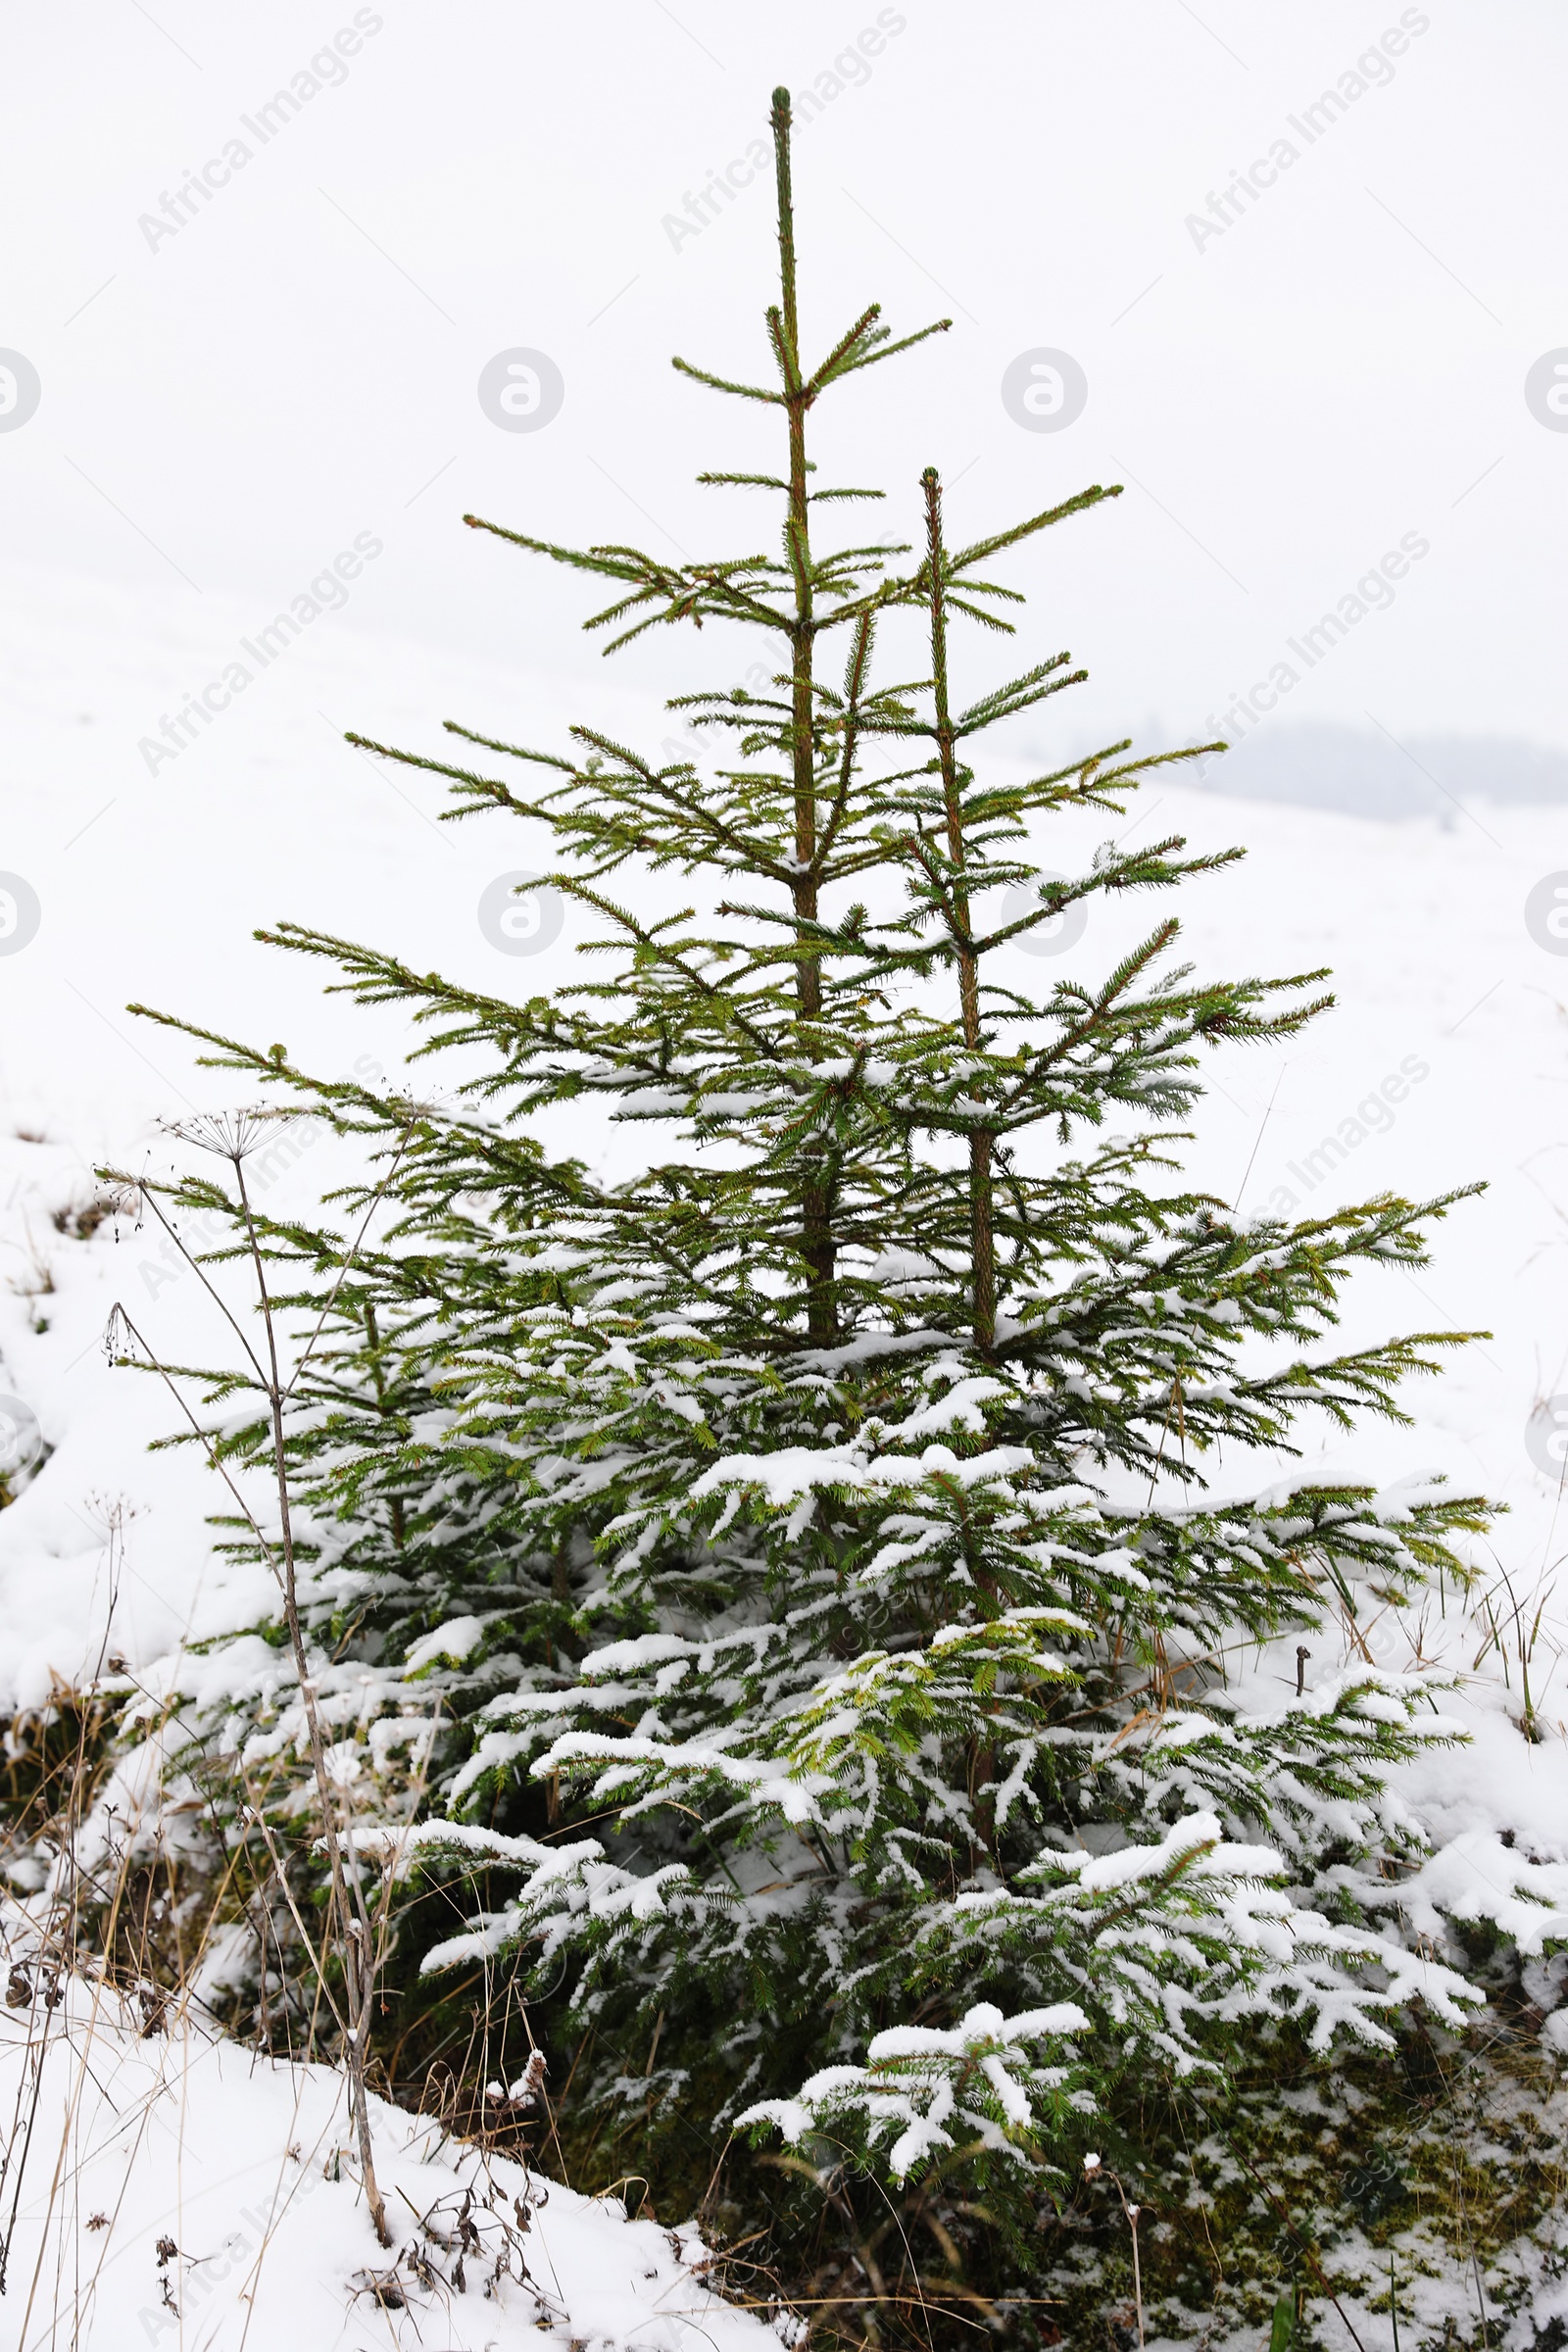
[1137, 2278]
[347, 1903]
[1131, 2212]
[360, 1936]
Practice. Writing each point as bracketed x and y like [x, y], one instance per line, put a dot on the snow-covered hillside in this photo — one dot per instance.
[170, 2188]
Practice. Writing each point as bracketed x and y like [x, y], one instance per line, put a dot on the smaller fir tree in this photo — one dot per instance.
[796, 1557]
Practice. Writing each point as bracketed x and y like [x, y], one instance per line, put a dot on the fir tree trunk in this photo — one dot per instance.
[982, 1142]
[817, 1201]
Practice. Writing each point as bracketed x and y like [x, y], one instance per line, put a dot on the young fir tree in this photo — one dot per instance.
[797, 1553]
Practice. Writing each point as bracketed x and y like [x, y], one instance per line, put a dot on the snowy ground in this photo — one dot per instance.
[1443, 1062]
[170, 2188]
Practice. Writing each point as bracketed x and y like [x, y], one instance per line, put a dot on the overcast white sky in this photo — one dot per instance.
[1342, 365]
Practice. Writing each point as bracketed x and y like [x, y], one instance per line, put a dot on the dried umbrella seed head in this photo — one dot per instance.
[233, 1135]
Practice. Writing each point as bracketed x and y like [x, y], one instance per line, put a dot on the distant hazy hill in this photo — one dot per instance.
[1370, 774]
